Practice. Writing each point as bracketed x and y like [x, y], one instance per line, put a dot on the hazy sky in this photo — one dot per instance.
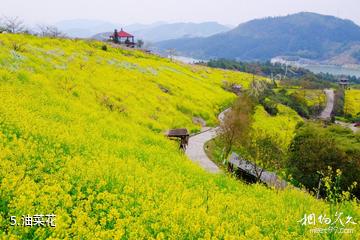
[147, 11]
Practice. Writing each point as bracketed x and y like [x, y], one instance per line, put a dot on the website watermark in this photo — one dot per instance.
[332, 230]
[340, 223]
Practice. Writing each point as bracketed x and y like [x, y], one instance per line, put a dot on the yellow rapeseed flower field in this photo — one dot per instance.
[81, 137]
[352, 102]
[313, 97]
[282, 126]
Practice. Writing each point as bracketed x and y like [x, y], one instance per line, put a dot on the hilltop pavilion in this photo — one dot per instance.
[344, 82]
[123, 37]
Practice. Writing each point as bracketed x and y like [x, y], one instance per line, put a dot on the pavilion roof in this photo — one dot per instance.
[124, 34]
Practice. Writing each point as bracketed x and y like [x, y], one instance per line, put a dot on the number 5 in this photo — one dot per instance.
[13, 220]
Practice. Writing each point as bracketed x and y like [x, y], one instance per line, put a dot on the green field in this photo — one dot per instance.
[81, 136]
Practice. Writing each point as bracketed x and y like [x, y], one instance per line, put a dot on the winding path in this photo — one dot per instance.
[196, 153]
[195, 150]
[326, 113]
[348, 125]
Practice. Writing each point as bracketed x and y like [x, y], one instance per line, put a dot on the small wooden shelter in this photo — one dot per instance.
[250, 172]
[181, 134]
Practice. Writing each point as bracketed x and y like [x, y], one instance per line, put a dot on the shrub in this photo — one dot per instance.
[270, 106]
[315, 148]
[339, 102]
[294, 100]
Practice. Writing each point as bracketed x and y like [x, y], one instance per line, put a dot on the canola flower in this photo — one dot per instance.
[282, 126]
[81, 138]
[352, 102]
[312, 97]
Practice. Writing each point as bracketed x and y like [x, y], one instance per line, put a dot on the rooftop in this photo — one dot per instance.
[124, 34]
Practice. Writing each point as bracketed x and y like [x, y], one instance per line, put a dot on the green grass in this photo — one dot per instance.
[81, 136]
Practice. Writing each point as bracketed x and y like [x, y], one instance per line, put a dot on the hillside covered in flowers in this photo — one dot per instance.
[81, 137]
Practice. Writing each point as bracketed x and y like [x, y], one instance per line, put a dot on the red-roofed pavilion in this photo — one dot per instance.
[123, 37]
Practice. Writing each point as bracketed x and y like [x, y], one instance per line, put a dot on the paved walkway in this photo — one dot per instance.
[348, 125]
[195, 150]
[196, 153]
[326, 113]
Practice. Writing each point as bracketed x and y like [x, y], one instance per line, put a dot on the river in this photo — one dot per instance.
[332, 69]
[335, 70]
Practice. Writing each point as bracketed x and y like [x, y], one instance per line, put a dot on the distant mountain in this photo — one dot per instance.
[306, 35]
[140, 26]
[161, 32]
[180, 30]
[83, 28]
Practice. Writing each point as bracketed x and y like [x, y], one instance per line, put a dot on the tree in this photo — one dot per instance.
[2, 29]
[50, 31]
[339, 102]
[263, 151]
[259, 89]
[2, 26]
[140, 43]
[236, 124]
[14, 24]
[116, 37]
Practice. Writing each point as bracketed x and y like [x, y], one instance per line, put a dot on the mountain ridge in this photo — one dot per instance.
[307, 35]
[168, 31]
[158, 31]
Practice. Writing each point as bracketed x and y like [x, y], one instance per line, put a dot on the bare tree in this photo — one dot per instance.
[2, 27]
[236, 124]
[258, 88]
[13, 24]
[50, 31]
[43, 30]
